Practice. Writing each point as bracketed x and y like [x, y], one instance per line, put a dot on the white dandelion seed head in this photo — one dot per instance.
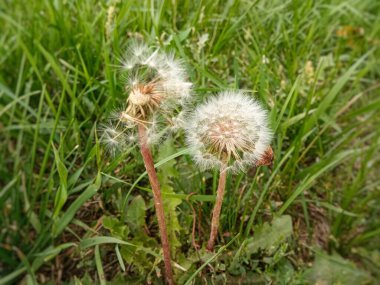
[229, 129]
[161, 71]
[153, 136]
[157, 86]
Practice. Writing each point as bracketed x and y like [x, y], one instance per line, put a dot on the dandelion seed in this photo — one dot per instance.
[178, 122]
[128, 65]
[113, 138]
[132, 138]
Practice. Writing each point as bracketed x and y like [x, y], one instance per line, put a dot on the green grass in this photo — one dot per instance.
[71, 213]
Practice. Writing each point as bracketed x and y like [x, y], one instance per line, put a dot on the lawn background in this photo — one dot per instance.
[71, 213]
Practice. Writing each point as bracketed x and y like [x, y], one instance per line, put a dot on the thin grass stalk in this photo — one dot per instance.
[158, 204]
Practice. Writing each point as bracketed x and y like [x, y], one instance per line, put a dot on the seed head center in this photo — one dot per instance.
[226, 138]
[223, 129]
[140, 95]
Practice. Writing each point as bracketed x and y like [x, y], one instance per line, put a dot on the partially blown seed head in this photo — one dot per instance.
[156, 81]
[156, 88]
[229, 129]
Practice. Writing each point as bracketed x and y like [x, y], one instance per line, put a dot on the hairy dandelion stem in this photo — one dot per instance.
[217, 208]
[158, 204]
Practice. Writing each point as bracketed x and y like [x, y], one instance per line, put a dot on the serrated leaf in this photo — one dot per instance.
[170, 204]
[136, 212]
[269, 236]
[168, 169]
[171, 215]
[116, 227]
[140, 259]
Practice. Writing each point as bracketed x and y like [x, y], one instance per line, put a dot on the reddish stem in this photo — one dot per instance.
[217, 208]
[149, 165]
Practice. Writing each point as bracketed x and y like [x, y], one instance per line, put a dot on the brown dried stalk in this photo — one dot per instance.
[158, 204]
[217, 208]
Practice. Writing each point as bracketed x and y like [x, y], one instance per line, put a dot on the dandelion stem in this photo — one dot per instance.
[217, 208]
[149, 165]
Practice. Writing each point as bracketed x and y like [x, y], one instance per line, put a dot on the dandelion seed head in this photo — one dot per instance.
[156, 85]
[161, 71]
[231, 129]
[140, 95]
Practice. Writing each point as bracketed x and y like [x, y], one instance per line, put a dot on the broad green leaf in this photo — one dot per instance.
[335, 270]
[269, 236]
[135, 216]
